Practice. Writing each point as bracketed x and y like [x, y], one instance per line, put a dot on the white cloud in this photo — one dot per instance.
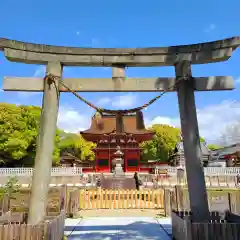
[212, 120]
[40, 71]
[103, 101]
[163, 120]
[71, 120]
[210, 28]
[237, 80]
[127, 100]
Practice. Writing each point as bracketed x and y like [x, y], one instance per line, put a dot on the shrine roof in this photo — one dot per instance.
[203, 146]
[106, 124]
[70, 158]
[228, 150]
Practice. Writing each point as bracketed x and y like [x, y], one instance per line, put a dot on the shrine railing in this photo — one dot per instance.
[76, 171]
[207, 170]
[65, 171]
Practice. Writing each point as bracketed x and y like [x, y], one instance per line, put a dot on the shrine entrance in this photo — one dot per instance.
[180, 57]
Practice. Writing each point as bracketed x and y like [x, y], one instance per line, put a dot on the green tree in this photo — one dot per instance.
[77, 146]
[163, 143]
[10, 189]
[18, 133]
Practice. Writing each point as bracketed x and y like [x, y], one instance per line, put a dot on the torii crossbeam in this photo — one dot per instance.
[110, 85]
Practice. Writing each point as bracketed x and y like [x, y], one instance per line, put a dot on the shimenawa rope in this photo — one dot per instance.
[51, 78]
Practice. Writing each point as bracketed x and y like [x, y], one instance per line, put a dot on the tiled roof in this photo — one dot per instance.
[228, 150]
[204, 148]
[107, 124]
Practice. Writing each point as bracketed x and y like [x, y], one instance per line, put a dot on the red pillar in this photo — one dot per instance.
[96, 160]
[139, 156]
[109, 159]
[125, 160]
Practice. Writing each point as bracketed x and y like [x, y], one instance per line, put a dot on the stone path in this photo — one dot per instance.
[120, 228]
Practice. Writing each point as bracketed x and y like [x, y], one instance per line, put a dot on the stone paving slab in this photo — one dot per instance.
[121, 228]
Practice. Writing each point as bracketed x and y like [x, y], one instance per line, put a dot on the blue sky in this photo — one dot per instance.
[126, 24]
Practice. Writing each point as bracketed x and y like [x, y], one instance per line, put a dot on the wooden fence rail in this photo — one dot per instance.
[52, 228]
[217, 200]
[114, 199]
[217, 228]
[220, 226]
[121, 199]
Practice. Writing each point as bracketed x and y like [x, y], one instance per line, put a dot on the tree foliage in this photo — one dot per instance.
[9, 190]
[11, 187]
[19, 129]
[76, 146]
[163, 144]
[18, 134]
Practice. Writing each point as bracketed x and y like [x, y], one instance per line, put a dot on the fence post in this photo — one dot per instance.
[229, 201]
[180, 176]
[167, 202]
[234, 202]
[69, 206]
[5, 204]
[179, 198]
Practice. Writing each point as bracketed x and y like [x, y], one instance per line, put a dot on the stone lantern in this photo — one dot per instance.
[117, 161]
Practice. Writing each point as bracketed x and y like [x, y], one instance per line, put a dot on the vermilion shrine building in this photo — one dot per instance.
[103, 132]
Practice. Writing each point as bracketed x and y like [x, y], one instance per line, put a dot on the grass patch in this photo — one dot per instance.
[218, 189]
[223, 190]
[19, 202]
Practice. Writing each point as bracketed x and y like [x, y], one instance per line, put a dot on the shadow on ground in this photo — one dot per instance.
[138, 230]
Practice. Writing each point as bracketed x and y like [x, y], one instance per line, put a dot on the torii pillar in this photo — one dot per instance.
[191, 143]
[45, 147]
[118, 74]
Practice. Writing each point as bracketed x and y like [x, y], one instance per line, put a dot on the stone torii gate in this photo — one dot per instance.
[181, 57]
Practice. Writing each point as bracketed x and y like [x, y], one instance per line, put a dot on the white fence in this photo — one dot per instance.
[208, 171]
[76, 171]
[65, 171]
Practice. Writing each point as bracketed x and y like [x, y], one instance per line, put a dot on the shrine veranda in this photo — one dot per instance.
[181, 57]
